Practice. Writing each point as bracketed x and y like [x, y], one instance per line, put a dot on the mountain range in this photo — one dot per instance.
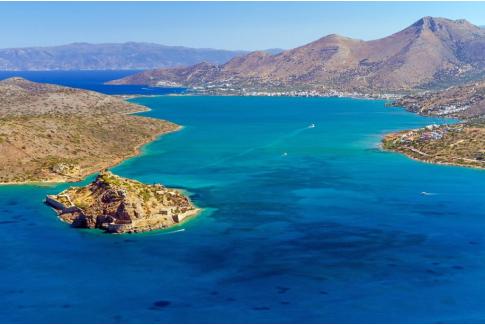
[432, 53]
[108, 56]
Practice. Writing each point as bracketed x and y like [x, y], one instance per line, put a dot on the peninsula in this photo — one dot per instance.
[120, 205]
[460, 144]
[50, 133]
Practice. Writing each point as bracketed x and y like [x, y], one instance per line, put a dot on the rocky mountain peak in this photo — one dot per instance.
[432, 52]
[437, 24]
[430, 23]
[203, 64]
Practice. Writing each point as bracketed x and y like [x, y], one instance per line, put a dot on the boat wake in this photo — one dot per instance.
[175, 231]
[427, 193]
[266, 146]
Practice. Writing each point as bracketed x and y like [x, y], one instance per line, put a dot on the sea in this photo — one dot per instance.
[305, 220]
[91, 80]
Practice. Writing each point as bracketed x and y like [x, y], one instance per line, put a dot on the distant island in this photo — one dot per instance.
[120, 205]
[108, 56]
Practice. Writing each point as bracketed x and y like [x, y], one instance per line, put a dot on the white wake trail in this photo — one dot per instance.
[250, 150]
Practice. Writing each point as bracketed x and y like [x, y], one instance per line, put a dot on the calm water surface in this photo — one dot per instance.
[91, 80]
[300, 225]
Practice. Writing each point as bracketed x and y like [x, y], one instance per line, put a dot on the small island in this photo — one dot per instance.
[120, 205]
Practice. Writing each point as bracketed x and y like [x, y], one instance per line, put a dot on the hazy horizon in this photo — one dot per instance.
[218, 25]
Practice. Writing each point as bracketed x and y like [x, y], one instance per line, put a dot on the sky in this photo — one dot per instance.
[223, 25]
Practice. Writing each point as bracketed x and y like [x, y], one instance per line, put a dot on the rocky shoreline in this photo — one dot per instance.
[52, 134]
[461, 144]
[120, 205]
[463, 102]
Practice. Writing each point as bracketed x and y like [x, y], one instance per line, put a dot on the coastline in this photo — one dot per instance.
[429, 161]
[57, 180]
[92, 168]
[146, 109]
[136, 151]
[189, 217]
[416, 154]
[361, 97]
[408, 155]
[293, 93]
[127, 205]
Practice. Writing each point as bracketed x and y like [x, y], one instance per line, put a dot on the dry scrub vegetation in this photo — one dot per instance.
[54, 133]
[464, 147]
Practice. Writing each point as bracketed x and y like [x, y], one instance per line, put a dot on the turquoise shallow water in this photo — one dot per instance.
[334, 231]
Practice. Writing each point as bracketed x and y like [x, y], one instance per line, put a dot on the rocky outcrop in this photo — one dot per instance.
[120, 205]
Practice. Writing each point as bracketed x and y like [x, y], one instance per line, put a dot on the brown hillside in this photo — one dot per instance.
[431, 53]
[54, 133]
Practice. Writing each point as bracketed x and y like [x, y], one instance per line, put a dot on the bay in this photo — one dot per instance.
[300, 225]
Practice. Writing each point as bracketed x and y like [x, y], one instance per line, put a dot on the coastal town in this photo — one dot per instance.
[233, 90]
[430, 132]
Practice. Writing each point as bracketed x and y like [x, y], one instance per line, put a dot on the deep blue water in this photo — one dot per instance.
[334, 231]
[91, 80]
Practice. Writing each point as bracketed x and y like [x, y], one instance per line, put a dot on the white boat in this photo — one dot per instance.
[311, 126]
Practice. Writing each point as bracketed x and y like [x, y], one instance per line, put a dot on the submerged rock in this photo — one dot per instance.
[121, 205]
[160, 304]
